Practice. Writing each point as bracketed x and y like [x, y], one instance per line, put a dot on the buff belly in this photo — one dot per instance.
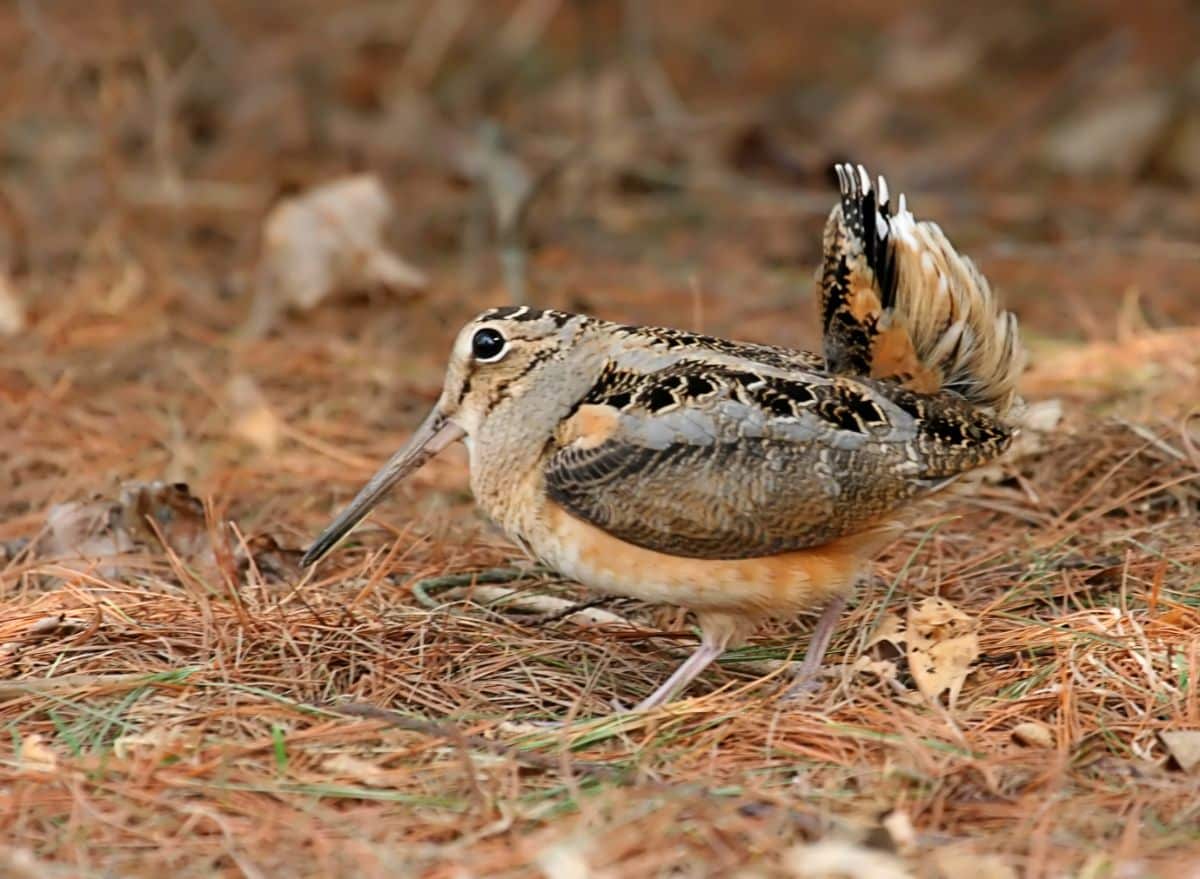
[779, 585]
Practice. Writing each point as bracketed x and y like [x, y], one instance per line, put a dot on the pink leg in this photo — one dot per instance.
[715, 637]
[805, 680]
[700, 660]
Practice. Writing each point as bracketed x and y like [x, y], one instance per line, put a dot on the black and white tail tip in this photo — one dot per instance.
[863, 207]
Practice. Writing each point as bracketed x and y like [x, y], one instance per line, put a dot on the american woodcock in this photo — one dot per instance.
[741, 481]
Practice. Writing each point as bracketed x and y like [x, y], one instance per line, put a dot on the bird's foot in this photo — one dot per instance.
[804, 685]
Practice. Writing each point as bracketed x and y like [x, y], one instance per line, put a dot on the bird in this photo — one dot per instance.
[741, 481]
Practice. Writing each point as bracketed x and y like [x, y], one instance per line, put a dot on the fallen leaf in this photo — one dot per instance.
[839, 859]
[83, 530]
[45, 626]
[954, 863]
[253, 419]
[889, 637]
[325, 241]
[1184, 747]
[346, 766]
[884, 669]
[942, 644]
[22, 863]
[272, 560]
[58, 624]
[883, 649]
[102, 530]
[37, 756]
[152, 740]
[901, 833]
[566, 860]
[1032, 734]
[12, 311]
[177, 516]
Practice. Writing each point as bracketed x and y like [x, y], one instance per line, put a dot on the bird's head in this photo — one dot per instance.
[493, 361]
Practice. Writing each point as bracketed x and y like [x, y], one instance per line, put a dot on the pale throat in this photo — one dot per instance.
[508, 448]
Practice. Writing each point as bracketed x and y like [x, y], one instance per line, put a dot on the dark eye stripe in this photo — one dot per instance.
[500, 391]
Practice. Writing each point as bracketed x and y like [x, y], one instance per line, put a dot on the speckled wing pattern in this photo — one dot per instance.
[706, 448]
[715, 455]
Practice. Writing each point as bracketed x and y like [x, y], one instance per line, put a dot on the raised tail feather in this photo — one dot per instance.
[898, 302]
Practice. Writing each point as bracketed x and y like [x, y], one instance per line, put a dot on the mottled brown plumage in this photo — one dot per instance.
[740, 480]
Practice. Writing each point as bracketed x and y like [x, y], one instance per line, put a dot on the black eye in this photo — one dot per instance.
[487, 344]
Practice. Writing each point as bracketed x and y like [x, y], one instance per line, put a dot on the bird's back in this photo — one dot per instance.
[707, 448]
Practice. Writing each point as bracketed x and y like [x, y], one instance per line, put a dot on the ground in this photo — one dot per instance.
[192, 707]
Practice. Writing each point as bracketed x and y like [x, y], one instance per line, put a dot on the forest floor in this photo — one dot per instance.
[177, 699]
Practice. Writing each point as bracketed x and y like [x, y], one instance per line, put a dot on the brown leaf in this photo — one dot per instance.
[841, 859]
[84, 530]
[902, 836]
[954, 863]
[152, 740]
[324, 241]
[347, 766]
[147, 510]
[1032, 734]
[884, 669]
[36, 756]
[942, 644]
[1184, 747]
[57, 624]
[253, 419]
[12, 310]
[888, 640]
[102, 530]
[272, 560]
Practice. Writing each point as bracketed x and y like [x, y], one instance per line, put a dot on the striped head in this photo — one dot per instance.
[497, 359]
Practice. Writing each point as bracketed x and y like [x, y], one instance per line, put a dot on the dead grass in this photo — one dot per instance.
[194, 708]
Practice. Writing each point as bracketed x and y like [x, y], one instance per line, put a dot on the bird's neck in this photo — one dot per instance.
[509, 449]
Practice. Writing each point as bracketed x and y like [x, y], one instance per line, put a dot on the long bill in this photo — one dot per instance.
[435, 433]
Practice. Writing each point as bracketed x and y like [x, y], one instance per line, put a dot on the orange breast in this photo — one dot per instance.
[780, 585]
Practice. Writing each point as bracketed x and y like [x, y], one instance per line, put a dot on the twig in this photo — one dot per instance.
[421, 588]
[453, 734]
[421, 591]
[16, 689]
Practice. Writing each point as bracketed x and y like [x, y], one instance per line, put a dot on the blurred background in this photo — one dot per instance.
[172, 308]
[236, 241]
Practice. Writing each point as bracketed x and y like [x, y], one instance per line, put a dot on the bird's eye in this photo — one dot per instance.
[488, 345]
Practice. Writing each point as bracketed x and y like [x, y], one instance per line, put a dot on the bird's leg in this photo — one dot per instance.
[805, 680]
[684, 675]
[716, 633]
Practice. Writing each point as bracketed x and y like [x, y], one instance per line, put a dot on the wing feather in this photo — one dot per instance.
[758, 464]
